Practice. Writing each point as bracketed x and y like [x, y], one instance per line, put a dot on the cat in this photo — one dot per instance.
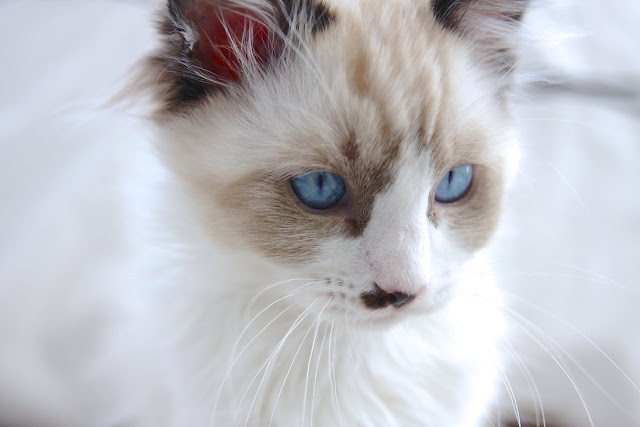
[333, 172]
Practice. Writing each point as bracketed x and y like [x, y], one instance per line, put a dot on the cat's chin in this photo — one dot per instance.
[383, 320]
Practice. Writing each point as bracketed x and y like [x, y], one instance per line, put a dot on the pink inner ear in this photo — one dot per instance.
[219, 29]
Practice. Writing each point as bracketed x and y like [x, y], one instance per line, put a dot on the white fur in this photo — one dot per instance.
[201, 328]
[435, 369]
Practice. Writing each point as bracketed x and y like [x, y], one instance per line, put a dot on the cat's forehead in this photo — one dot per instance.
[381, 79]
[375, 83]
[380, 90]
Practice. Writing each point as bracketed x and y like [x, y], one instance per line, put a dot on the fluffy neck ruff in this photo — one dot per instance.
[246, 354]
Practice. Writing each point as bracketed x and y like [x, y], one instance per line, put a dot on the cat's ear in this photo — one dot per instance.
[210, 45]
[490, 24]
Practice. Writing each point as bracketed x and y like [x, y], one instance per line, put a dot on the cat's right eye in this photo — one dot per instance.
[319, 190]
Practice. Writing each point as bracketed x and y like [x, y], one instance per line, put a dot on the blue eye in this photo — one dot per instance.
[319, 190]
[454, 185]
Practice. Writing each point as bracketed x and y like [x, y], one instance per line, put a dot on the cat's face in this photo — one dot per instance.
[370, 158]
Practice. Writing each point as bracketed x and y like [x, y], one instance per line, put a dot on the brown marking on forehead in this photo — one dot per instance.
[422, 132]
[350, 148]
[435, 119]
[372, 150]
[368, 168]
[360, 74]
[390, 74]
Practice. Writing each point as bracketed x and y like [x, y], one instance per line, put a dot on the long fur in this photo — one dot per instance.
[245, 308]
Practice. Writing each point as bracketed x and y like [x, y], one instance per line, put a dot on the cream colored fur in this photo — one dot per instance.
[244, 309]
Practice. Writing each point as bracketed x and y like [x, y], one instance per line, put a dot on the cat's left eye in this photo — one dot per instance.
[319, 190]
[455, 185]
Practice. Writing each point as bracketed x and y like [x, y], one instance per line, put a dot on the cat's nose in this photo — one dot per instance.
[379, 298]
[398, 299]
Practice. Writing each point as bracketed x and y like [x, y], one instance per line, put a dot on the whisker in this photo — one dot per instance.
[229, 370]
[313, 344]
[590, 377]
[293, 360]
[274, 354]
[505, 381]
[514, 317]
[512, 395]
[331, 357]
[237, 342]
[489, 421]
[355, 336]
[315, 379]
[350, 337]
[262, 292]
[530, 380]
[603, 278]
[582, 335]
[591, 276]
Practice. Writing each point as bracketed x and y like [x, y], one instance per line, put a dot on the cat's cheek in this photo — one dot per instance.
[469, 224]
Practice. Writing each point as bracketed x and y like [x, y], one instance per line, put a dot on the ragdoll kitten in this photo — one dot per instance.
[335, 167]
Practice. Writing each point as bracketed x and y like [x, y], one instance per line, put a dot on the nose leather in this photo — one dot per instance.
[378, 298]
[398, 299]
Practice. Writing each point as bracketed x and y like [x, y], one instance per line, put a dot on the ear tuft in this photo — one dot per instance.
[211, 45]
[463, 14]
[224, 38]
[489, 24]
[207, 46]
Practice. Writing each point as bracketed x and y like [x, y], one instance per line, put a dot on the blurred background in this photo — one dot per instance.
[567, 255]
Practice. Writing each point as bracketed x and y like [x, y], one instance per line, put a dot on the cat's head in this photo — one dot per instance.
[362, 144]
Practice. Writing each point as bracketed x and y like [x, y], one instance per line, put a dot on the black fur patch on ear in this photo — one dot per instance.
[186, 88]
[444, 10]
[452, 14]
[196, 58]
[490, 25]
[316, 14]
